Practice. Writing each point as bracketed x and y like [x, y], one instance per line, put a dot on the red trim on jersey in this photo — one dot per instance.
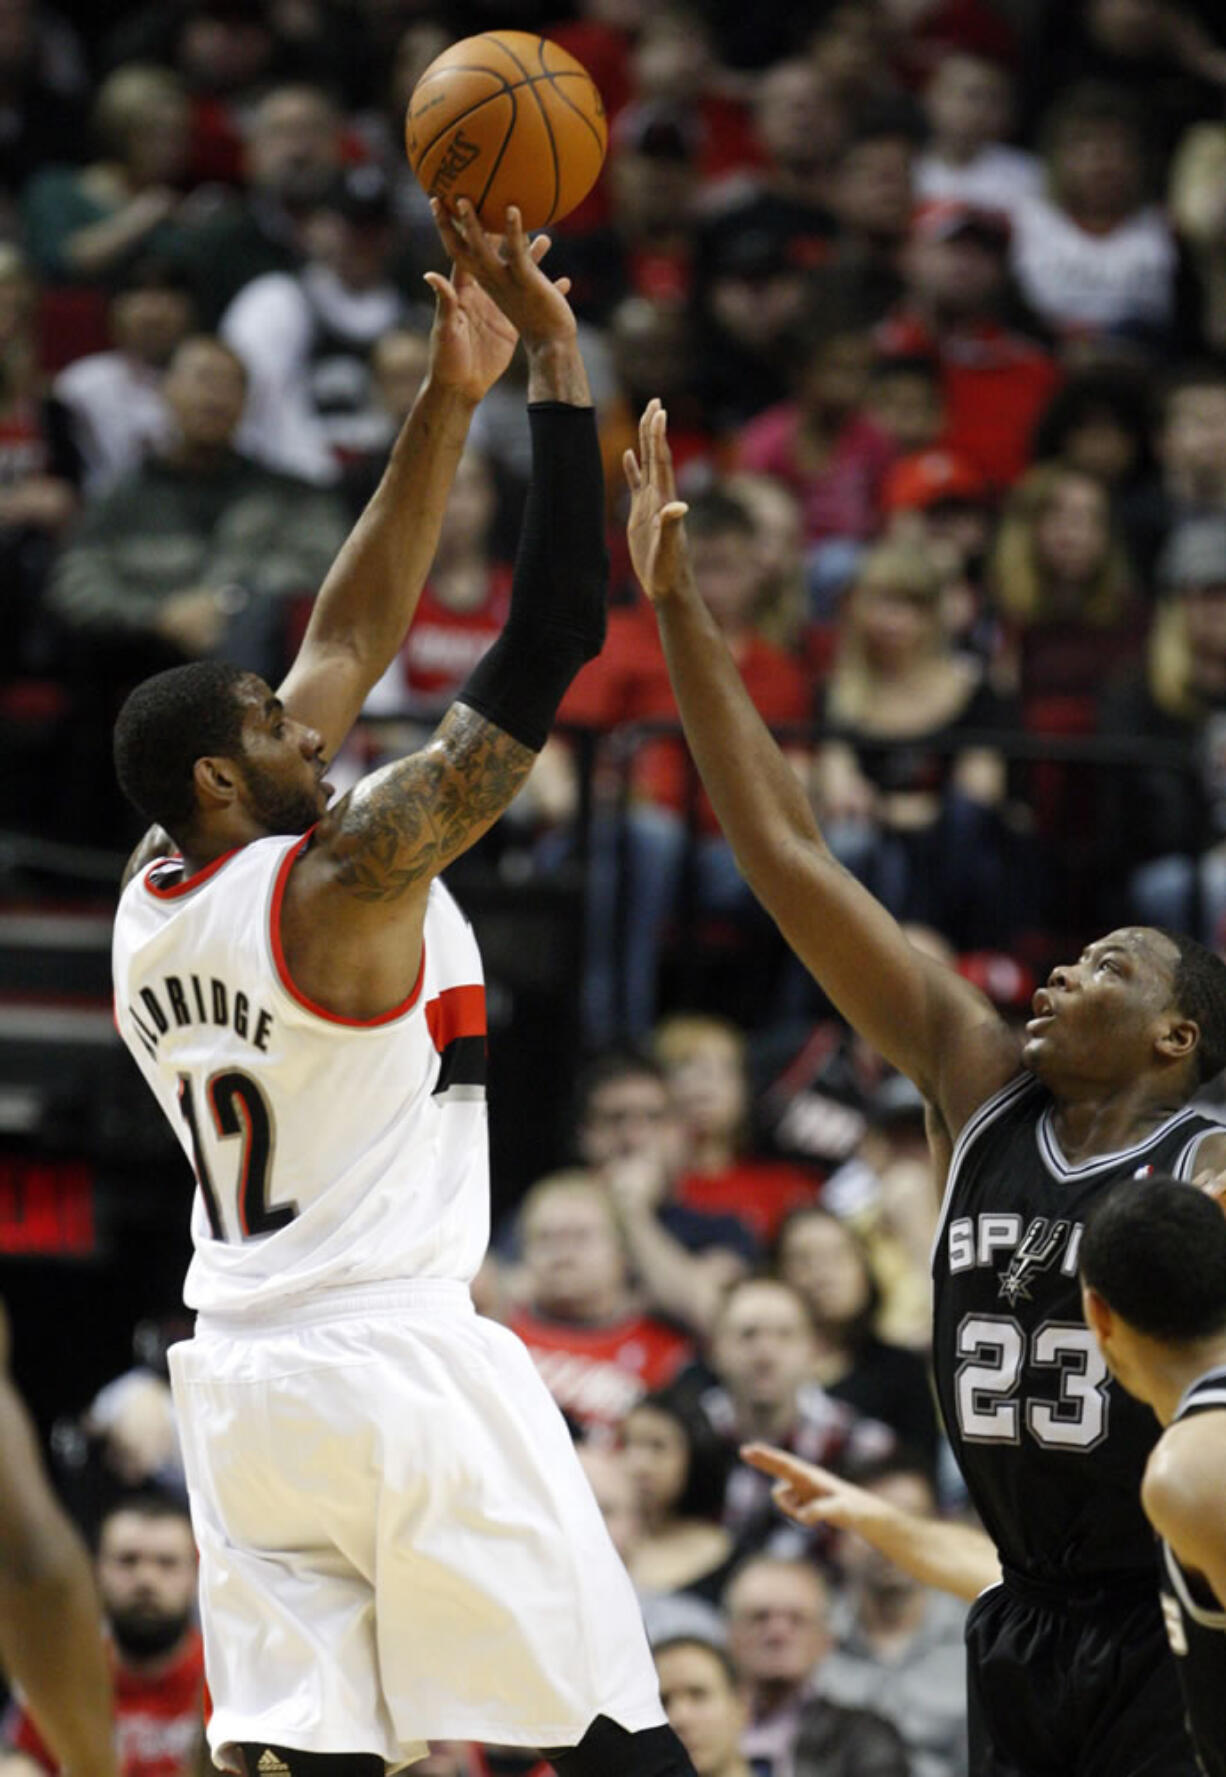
[456, 1012]
[287, 980]
[189, 882]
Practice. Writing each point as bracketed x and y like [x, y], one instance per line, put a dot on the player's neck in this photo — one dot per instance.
[1172, 1371]
[1098, 1119]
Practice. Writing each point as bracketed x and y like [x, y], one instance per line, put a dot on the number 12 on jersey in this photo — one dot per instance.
[239, 1113]
[993, 1349]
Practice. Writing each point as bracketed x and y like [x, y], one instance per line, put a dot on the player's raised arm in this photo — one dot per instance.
[367, 602]
[376, 852]
[50, 1620]
[920, 1015]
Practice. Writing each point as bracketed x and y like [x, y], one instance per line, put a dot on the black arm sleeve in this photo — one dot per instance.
[558, 595]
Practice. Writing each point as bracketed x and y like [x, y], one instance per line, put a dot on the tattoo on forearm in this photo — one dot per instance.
[411, 819]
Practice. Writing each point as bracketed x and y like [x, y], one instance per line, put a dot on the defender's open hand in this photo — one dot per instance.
[655, 529]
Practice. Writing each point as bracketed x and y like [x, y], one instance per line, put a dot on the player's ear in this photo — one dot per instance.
[1098, 1315]
[215, 780]
[1178, 1039]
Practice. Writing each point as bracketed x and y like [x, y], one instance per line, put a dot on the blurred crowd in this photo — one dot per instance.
[935, 294]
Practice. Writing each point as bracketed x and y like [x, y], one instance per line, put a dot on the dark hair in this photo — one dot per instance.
[152, 271]
[1090, 102]
[720, 1655]
[1119, 392]
[710, 1455]
[611, 1065]
[887, 364]
[145, 1502]
[165, 725]
[1198, 989]
[903, 1459]
[1206, 374]
[1155, 1251]
[717, 514]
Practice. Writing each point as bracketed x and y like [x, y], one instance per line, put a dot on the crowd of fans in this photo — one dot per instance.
[935, 294]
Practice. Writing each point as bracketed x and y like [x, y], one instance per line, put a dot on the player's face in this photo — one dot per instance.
[282, 764]
[147, 1579]
[1097, 1019]
[703, 1708]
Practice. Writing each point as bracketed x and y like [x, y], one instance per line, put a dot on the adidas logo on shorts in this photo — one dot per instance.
[271, 1765]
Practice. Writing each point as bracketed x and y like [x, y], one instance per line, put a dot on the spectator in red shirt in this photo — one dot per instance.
[704, 1062]
[638, 860]
[588, 1334]
[146, 1570]
[996, 382]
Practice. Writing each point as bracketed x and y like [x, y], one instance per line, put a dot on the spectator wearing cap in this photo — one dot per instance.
[1095, 255]
[292, 156]
[942, 503]
[995, 381]
[1163, 823]
[306, 336]
[969, 102]
[114, 398]
[646, 246]
[908, 809]
[821, 444]
[749, 302]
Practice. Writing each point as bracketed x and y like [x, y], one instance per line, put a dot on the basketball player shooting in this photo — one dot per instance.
[397, 1543]
[1068, 1667]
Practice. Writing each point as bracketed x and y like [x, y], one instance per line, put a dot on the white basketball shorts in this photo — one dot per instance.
[397, 1542]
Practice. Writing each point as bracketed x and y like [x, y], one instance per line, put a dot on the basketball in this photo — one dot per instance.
[507, 118]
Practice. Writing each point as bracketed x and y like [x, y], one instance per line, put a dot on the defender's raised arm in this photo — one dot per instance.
[920, 1015]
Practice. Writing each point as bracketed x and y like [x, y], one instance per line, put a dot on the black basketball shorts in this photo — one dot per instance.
[1065, 1690]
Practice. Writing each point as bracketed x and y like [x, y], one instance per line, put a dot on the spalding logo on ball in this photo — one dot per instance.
[507, 118]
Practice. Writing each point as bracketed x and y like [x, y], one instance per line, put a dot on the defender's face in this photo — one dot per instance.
[282, 764]
[1097, 1019]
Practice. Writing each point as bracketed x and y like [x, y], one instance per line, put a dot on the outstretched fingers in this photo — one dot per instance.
[634, 475]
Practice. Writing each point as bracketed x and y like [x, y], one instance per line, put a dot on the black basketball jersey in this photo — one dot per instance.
[1052, 1450]
[1195, 1619]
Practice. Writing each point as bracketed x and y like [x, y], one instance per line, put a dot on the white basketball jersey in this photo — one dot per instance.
[327, 1151]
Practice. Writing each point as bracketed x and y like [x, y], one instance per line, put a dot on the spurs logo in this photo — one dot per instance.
[461, 153]
[1037, 1252]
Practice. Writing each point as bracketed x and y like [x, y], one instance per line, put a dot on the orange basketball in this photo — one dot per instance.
[507, 118]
